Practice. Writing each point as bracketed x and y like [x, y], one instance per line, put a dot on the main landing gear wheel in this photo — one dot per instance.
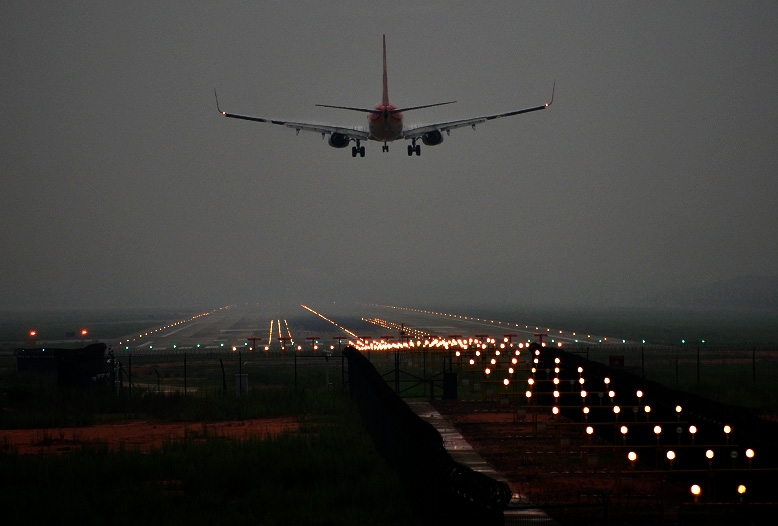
[414, 148]
[357, 150]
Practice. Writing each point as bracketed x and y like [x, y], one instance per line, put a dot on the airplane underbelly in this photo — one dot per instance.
[386, 131]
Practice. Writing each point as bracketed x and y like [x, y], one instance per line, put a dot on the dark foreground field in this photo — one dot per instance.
[305, 459]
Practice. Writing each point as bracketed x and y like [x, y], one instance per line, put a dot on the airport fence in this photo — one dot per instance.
[739, 376]
[202, 372]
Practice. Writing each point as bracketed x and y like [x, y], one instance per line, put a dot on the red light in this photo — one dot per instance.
[84, 332]
[33, 333]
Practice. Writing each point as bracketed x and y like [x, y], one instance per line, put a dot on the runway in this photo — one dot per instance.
[302, 328]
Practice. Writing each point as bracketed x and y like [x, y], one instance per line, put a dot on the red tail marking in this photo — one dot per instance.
[385, 99]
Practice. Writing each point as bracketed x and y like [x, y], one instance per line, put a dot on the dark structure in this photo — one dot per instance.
[74, 367]
[444, 491]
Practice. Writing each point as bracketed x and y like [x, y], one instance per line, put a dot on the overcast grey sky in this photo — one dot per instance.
[121, 185]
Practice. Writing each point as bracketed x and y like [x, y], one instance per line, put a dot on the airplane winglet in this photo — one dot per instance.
[217, 103]
[553, 88]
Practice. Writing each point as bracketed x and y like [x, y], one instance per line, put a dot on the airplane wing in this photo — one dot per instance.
[417, 131]
[351, 133]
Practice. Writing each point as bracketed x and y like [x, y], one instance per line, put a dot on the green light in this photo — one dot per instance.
[198, 345]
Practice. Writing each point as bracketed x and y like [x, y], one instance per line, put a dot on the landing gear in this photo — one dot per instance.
[414, 148]
[385, 148]
[357, 150]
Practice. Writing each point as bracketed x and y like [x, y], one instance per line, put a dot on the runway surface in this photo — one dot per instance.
[244, 327]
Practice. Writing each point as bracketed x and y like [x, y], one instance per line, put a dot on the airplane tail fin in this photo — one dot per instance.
[385, 98]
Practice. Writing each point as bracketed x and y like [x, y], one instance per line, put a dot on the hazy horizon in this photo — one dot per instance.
[652, 172]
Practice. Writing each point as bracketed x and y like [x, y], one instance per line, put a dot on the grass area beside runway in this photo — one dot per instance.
[328, 472]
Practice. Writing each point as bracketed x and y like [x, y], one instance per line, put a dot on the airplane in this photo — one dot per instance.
[385, 124]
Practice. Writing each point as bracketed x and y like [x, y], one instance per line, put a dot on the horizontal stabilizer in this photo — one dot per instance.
[398, 110]
[363, 110]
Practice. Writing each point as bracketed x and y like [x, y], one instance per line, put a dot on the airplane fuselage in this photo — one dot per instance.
[384, 124]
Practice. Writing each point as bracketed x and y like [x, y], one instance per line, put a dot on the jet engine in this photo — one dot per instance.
[338, 140]
[432, 138]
